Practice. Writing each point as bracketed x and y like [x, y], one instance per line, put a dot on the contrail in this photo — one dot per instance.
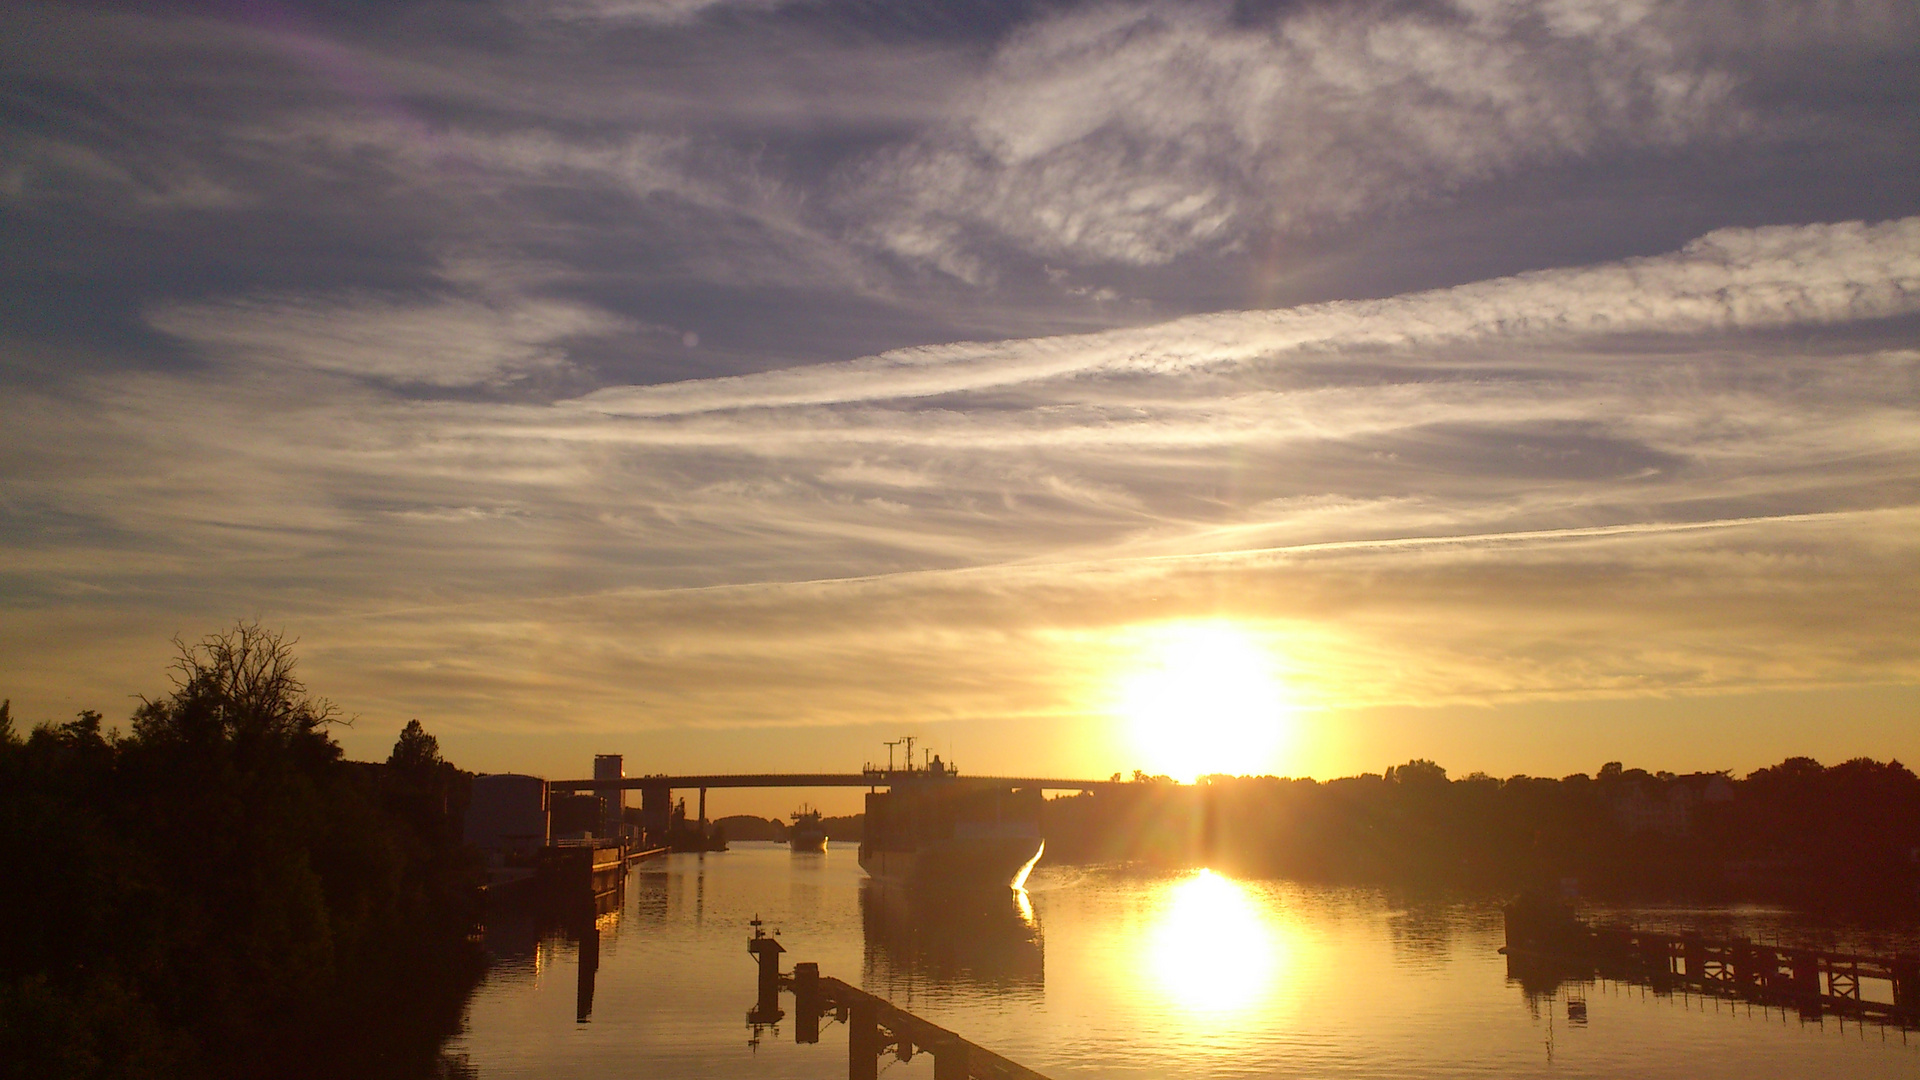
[1382, 544]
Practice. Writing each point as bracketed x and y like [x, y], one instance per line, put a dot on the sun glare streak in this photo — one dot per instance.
[1213, 950]
[1204, 698]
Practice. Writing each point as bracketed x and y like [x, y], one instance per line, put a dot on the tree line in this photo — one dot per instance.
[217, 893]
[1845, 836]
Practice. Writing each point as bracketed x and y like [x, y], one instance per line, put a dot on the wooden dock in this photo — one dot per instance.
[875, 1026]
[1881, 989]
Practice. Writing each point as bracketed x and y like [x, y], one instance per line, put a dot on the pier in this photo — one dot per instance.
[1881, 989]
[875, 1026]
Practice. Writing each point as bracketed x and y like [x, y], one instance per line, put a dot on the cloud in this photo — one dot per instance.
[1138, 133]
[440, 267]
[1511, 406]
[1731, 279]
[661, 12]
[450, 342]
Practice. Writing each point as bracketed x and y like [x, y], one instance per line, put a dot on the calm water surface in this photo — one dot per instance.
[1107, 973]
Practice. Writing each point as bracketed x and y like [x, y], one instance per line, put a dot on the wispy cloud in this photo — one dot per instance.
[1539, 464]
[693, 364]
[1735, 279]
[448, 343]
[1138, 133]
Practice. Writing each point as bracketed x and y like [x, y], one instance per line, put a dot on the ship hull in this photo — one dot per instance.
[807, 841]
[990, 862]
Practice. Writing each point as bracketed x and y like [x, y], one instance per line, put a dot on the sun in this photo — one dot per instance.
[1204, 698]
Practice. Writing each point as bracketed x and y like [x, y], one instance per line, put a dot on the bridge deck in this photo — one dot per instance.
[762, 780]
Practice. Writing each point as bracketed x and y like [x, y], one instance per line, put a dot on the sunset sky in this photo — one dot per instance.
[734, 384]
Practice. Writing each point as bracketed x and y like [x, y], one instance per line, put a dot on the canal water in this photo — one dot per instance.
[1106, 972]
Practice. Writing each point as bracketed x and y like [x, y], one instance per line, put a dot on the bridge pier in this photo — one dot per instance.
[703, 815]
[655, 812]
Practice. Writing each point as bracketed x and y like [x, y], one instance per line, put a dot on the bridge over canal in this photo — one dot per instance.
[656, 792]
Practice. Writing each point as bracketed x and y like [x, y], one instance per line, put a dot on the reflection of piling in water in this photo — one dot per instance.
[1548, 947]
[589, 967]
[875, 1026]
[766, 953]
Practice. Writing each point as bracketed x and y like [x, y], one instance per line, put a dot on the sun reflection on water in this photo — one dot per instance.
[1214, 949]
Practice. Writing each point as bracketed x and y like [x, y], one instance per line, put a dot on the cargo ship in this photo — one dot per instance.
[807, 834]
[937, 829]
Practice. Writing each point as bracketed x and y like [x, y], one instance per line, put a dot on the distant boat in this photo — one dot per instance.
[807, 833]
[934, 829]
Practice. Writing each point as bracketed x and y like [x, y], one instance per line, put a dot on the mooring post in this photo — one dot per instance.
[863, 1039]
[806, 1003]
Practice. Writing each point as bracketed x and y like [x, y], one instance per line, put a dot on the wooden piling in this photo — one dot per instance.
[1906, 983]
[863, 1038]
[806, 1003]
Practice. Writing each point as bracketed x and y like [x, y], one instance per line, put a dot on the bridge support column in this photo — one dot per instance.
[703, 815]
[655, 809]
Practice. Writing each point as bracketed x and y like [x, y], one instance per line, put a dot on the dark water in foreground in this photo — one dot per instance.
[1108, 973]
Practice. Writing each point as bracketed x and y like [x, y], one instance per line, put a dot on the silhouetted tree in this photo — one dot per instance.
[1799, 832]
[238, 688]
[219, 894]
[1417, 771]
[415, 753]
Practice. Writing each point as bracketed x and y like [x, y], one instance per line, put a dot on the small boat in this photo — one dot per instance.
[807, 834]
